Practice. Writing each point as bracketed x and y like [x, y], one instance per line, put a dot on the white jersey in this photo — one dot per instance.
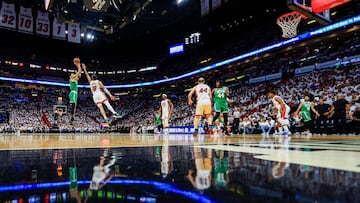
[165, 107]
[98, 176]
[95, 87]
[202, 179]
[202, 94]
[276, 103]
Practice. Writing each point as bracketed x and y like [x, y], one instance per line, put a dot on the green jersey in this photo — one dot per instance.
[73, 86]
[305, 111]
[157, 119]
[221, 167]
[73, 178]
[73, 95]
[220, 95]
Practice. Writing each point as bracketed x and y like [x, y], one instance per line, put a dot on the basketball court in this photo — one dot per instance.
[260, 168]
[151, 167]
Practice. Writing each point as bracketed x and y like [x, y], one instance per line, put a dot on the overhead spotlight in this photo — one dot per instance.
[82, 34]
[179, 1]
[100, 20]
[134, 18]
[88, 36]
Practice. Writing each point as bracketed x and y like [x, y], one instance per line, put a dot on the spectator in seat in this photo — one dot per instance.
[321, 121]
[356, 120]
[338, 109]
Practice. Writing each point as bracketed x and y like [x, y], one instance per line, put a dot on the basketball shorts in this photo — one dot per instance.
[165, 115]
[73, 96]
[203, 109]
[99, 98]
[221, 107]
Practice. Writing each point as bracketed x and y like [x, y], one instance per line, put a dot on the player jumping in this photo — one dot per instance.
[98, 89]
[73, 95]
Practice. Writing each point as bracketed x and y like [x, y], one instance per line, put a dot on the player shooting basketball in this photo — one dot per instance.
[73, 95]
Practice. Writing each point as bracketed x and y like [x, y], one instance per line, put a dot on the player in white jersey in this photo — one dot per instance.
[203, 103]
[282, 113]
[101, 175]
[98, 89]
[203, 164]
[166, 108]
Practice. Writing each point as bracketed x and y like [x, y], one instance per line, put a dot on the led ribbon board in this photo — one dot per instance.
[347, 22]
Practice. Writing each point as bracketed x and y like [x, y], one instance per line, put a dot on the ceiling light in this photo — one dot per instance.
[100, 20]
[82, 34]
[134, 18]
[179, 1]
[88, 36]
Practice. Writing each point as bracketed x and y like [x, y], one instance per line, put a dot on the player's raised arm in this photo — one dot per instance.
[86, 73]
[102, 86]
[78, 73]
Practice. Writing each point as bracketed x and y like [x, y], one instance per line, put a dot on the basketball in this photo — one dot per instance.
[76, 60]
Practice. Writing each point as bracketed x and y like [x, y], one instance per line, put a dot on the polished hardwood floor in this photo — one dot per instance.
[248, 168]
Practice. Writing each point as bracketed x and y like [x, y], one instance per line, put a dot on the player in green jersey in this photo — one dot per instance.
[305, 108]
[73, 95]
[221, 167]
[158, 121]
[220, 95]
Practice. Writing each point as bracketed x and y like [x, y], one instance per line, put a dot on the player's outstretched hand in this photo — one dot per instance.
[190, 102]
[112, 98]
[83, 66]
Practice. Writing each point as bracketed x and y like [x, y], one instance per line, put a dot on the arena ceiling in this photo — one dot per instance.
[150, 26]
[134, 19]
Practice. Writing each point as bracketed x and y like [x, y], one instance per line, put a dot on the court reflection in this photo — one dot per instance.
[166, 173]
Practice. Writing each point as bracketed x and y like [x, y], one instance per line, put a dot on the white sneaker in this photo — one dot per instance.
[286, 133]
[276, 134]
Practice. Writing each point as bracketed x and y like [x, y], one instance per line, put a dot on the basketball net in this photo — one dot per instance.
[289, 23]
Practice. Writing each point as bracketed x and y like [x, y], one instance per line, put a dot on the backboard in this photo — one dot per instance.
[318, 10]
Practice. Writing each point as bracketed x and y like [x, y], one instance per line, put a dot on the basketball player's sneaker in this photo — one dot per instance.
[196, 132]
[286, 133]
[108, 121]
[116, 115]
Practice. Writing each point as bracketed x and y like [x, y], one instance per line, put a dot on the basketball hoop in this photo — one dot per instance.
[288, 23]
